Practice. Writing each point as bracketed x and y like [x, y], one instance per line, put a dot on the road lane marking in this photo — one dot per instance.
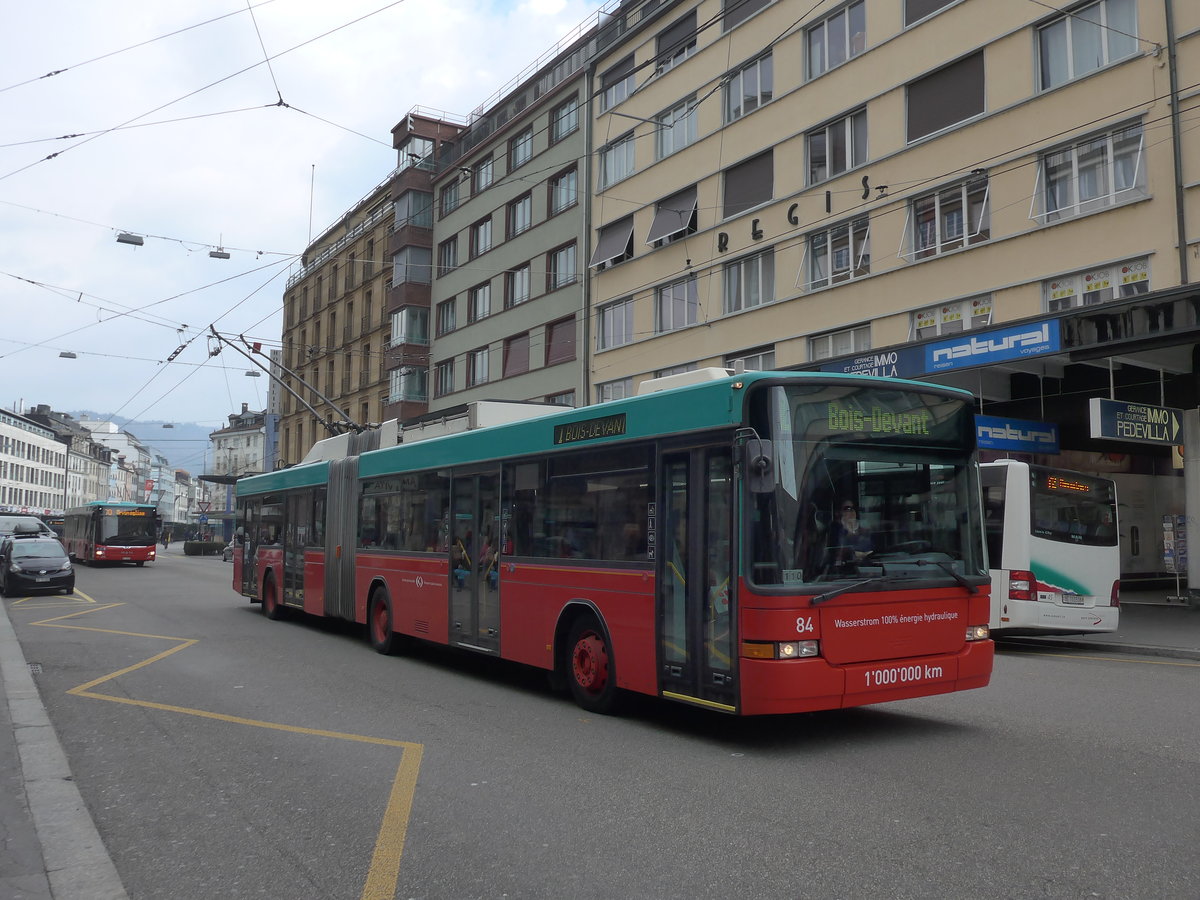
[384, 872]
[51, 601]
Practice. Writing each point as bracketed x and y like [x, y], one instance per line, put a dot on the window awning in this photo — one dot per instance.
[673, 215]
[614, 241]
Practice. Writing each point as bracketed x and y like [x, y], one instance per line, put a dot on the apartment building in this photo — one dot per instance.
[508, 287]
[33, 467]
[781, 183]
[335, 326]
[88, 462]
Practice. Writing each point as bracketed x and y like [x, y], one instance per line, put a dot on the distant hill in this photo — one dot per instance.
[183, 443]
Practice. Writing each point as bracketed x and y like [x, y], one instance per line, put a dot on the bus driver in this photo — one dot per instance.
[849, 538]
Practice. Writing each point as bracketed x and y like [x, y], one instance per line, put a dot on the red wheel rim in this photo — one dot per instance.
[589, 661]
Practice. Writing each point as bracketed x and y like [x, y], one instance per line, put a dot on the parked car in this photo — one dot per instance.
[33, 562]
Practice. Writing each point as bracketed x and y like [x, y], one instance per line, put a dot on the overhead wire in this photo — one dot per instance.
[111, 53]
[206, 87]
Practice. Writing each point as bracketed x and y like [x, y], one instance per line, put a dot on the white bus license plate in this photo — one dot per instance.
[1073, 599]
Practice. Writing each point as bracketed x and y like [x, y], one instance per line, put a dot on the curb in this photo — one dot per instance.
[77, 864]
[1099, 646]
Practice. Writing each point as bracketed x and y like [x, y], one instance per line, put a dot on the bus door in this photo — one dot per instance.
[338, 510]
[695, 577]
[248, 524]
[475, 561]
[296, 526]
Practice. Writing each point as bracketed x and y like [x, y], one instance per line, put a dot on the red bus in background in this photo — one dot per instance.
[770, 542]
[111, 532]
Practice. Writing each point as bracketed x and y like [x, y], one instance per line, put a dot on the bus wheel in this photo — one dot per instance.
[271, 607]
[141, 562]
[590, 669]
[379, 624]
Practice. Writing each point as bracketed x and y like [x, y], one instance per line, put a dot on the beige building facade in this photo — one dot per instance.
[867, 175]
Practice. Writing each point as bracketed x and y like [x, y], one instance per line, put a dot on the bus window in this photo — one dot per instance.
[593, 505]
[1073, 508]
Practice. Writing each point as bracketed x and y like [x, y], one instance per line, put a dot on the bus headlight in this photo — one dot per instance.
[780, 649]
[977, 633]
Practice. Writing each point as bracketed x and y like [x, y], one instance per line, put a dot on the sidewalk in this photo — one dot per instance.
[49, 846]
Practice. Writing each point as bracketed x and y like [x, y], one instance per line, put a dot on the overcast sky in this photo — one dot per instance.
[182, 140]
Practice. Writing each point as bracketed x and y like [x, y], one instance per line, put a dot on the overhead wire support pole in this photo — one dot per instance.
[333, 427]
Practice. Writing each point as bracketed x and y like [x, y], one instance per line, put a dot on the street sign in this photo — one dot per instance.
[204, 505]
[204, 520]
[1115, 420]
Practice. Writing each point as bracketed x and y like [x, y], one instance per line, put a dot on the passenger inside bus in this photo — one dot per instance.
[460, 563]
[489, 563]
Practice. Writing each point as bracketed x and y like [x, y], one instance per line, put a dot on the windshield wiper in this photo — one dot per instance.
[945, 567]
[829, 595]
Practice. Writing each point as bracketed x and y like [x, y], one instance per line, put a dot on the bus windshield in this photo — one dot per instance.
[868, 482]
[128, 527]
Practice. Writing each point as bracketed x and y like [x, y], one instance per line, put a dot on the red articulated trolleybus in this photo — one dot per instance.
[110, 531]
[768, 542]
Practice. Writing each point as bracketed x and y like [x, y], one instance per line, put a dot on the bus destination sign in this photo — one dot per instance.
[590, 429]
[877, 420]
[1068, 485]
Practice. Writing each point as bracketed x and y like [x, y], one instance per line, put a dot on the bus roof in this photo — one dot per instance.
[689, 408]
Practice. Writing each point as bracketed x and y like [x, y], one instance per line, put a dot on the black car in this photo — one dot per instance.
[35, 563]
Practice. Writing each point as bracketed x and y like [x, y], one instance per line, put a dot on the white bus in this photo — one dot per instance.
[1052, 542]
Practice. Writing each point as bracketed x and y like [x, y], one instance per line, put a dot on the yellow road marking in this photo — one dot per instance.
[47, 602]
[384, 872]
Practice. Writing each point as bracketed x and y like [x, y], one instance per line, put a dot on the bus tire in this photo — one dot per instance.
[271, 607]
[589, 668]
[379, 624]
[141, 562]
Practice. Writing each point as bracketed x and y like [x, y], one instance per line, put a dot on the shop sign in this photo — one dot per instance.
[1020, 435]
[904, 363]
[1115, 420]
[993, 346]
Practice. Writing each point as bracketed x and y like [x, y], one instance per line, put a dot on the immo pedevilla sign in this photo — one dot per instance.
[1114, 420]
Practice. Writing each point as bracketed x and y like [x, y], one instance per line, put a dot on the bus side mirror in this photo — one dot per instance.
[760, 466]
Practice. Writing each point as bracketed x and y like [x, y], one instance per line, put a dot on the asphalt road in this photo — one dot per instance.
[223, 755]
